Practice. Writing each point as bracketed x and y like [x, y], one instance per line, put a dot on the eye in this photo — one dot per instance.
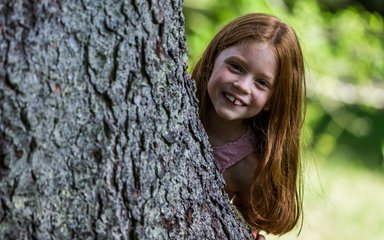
[262, 83]
[235, 67]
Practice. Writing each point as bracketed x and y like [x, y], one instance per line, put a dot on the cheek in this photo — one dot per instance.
[212, 82]
[210, 87]
[209, 84]
[259, 102]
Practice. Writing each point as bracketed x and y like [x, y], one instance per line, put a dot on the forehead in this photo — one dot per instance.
[250, 47]
[258, 56]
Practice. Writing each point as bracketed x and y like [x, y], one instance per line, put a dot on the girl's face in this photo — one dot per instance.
[242, 79]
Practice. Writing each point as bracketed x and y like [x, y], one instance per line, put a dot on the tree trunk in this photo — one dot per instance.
[99, 133]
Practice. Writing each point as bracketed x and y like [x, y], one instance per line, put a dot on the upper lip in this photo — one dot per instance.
[236, 97]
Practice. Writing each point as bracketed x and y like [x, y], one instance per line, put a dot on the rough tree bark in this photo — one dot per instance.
[98, 126]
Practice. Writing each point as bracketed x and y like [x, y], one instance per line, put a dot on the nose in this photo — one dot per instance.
[244, 84]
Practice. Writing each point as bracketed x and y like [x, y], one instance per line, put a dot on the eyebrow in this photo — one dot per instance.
[245, 65]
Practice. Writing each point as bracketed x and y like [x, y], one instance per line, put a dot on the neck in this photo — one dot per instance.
[221, 131]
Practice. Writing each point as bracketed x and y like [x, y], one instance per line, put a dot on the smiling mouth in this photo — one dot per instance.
[234, 100]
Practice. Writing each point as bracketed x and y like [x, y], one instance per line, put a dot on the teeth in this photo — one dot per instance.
[234, 100]
[231, 98]
[237, 102]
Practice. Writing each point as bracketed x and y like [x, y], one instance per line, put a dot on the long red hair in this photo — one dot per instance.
[276, 193]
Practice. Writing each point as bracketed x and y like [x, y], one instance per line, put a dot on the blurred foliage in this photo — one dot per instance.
[344, 54]
[337, 5]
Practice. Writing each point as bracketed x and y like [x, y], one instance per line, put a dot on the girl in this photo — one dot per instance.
[251, 89]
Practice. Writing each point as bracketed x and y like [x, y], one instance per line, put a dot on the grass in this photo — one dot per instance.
[342, 201]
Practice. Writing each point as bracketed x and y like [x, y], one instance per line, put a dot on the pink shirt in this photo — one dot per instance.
[230, 153]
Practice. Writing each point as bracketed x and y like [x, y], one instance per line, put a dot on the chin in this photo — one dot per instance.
[227, 116]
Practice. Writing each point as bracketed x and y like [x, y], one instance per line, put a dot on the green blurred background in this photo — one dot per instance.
[343, 44]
